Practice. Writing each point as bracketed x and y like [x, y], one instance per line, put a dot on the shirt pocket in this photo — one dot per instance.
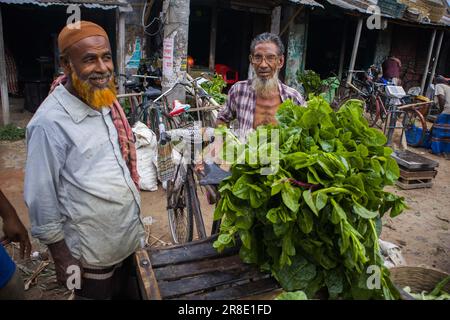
[88, 151]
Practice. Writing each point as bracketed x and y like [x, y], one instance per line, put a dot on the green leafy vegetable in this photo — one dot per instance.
[314, 221]
[214, 87]
[297, 295]
[437, 293]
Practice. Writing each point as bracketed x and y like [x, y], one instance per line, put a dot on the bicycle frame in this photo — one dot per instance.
[182, 199]
[182, 179]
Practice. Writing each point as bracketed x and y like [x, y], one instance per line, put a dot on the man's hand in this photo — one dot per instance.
[63, 260]
[15, 231]
[13, 228]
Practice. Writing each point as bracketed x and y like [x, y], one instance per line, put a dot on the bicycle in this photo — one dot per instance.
[380, 109]
[183, 205]
[369, 92]
[137, 94]
[179, 129]
[413, 123]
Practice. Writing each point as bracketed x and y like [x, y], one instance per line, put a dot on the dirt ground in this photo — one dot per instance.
[422, 231]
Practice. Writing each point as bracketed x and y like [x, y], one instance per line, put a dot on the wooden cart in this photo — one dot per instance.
[196, 271]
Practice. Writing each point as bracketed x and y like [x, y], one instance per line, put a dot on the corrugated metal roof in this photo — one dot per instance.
[356, 5]
[353, 5]
[445, 20]
[362, 5]
[310, 3]
[92, 4]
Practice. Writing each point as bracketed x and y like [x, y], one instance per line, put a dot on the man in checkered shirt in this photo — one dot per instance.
[254, 102]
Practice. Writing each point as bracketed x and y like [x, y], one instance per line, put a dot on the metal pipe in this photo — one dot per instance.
[213, 39]
[355, 49]
[3, 79]
[121, 49]
[343, 46]
[430, 51]
[438, 51]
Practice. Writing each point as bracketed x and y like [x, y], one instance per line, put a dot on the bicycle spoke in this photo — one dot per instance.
[179, 215]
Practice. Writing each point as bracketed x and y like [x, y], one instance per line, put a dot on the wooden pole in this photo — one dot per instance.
[305, 39]
[438, 52]
[343, 48]
[291, 19]
[213, 39]
[275, 21]
[355, 49]
[121, 49]
[430, 51]
[3, 79]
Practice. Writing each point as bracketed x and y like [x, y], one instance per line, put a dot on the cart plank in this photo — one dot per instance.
[250, 289]
[172, 272]
[193, 251]
[146, 278]
[211, 280]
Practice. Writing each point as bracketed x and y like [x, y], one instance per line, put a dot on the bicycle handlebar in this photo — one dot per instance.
[193, 135]
[146, 77]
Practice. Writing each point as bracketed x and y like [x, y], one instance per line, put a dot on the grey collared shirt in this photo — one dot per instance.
[77, 185]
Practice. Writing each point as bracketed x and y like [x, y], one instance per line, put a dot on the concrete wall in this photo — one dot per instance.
[410, 45]
[296, 47]
[383, 46]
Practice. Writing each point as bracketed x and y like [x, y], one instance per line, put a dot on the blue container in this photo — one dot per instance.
[414, 134]
[440, 135]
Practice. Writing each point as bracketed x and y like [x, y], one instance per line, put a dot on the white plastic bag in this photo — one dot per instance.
[392, 254]
[146, 152]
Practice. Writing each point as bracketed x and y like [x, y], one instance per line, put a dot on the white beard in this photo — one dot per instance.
[265, 88]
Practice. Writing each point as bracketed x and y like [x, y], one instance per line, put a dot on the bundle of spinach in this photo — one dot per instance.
[314, 86]
[310, 81]
[214, 88]
[311, 220]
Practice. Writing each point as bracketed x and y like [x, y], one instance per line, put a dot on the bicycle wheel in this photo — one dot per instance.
[415, 127]
[342, 94]
[194, 204]
[352, 96]
[179, 213]
[375, 112]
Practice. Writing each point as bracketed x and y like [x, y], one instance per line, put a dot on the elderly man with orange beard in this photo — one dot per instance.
[254, 102]
[80, 179]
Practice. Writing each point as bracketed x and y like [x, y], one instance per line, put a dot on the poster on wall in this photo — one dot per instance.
[168, 61]
[134, 60]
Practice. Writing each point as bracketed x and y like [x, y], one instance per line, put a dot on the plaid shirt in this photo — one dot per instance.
[241, 104]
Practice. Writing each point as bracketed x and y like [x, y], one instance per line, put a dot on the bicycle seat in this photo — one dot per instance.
[151, 92]
[395, 92]
[213, 175]
[131, 84]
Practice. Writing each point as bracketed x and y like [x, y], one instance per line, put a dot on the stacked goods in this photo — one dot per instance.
[416, 171]
[392, 8]
[436, 9]
[418, 6]
[412, 14]
[314, 219]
